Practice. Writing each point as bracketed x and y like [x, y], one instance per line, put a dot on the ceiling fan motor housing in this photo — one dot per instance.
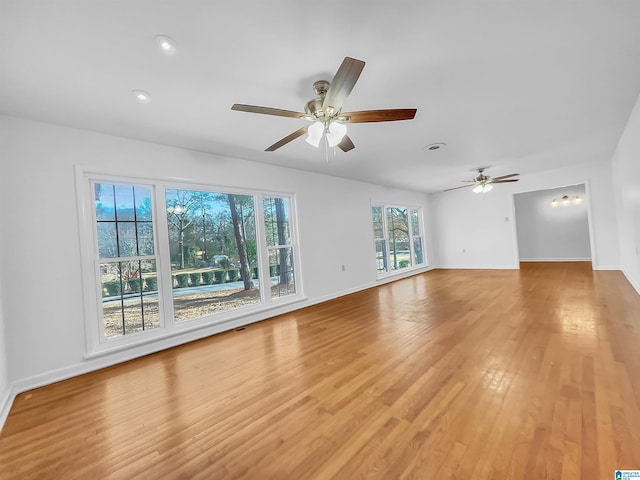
[314, 107]
[321, 87]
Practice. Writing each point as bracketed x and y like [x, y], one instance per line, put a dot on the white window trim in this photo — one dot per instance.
[95, 342]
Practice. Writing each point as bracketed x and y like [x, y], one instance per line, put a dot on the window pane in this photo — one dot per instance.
[143, 203]
[107, 240]
[398, 228]
[212, 243]
[124, 202]
[104, 201]
[145, 238]
[126, 307]
[417, 251]
[378, 222]
[381, 256]
[415, 223]
[282, 272]
[149, 286]
[276, 221]
[127, 239]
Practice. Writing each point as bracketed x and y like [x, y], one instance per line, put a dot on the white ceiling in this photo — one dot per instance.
[520, 86]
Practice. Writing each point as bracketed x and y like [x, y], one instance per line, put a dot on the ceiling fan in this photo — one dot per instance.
[325, 111]
[483, 183]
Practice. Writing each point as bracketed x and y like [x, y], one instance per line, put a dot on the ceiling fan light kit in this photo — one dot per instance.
[314, 134]
[484, 183]
[480, 188]
[325, 111]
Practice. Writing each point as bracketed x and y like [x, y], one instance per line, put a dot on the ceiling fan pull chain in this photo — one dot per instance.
[326, 149]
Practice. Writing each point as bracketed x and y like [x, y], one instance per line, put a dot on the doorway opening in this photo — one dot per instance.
[553, 225]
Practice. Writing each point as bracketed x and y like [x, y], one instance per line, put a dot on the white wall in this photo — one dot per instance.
[552, 234]
[45, 324]
[482, 224]
[626, 167]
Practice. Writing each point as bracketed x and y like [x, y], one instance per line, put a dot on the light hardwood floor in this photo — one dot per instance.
[528, 374]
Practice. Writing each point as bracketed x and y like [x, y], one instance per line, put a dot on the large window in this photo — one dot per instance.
[398, 237]
[165, 257]
[213, 252]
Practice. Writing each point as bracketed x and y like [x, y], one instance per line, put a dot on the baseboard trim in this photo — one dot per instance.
[635, 285]
[7, 403]
[477, 267]
[586, 259]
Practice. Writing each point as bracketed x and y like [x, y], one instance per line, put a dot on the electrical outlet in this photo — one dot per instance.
[464, 250]
[343, 268]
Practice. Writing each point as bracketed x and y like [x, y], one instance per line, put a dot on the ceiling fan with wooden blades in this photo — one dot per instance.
[483, 183]
[325, 111]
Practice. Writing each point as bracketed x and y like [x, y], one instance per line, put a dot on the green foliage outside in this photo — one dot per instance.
[113, 288]
[134, 285]
[195, 279]
[207, 277]
[220, 276]
[182, 280]
[150, 284]
[233, 275]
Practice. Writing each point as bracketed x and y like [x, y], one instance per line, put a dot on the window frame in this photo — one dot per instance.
[386, 238]
[96, 342]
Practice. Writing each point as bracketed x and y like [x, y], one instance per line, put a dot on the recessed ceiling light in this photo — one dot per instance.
[434, 146]
[141, 96]
[166, 44]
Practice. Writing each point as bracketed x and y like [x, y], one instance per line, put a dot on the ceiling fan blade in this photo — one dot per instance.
[346, 144]
[287, 139]
[342, 84]
[390, 115]
[506, 176]
[267, 110]
[455, 188]
[503, 181]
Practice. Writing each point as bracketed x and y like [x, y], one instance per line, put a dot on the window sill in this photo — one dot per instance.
[405, 272]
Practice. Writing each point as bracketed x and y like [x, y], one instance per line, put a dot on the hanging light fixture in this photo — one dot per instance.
[334, 132]
[314, 134]
[482, 188]
[565, 201]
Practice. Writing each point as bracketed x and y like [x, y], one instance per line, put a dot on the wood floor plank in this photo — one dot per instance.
[496, 374]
